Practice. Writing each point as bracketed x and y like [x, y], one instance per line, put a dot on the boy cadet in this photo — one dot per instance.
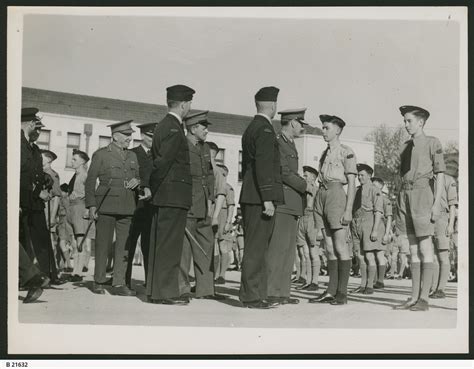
[307, 235]
[171, 187]
[333, 208]
[383, 246]
[282, 247]
[444, 228]
[367, 226]
[113, 203]
[261, 191]
[418, 208]
[199, 238]
[141, 223]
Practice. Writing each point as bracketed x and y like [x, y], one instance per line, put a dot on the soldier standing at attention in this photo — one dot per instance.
[171, 187]
[333, 208]
[282, 248]
[141, 222]
[261, 191]
[118, 174]
[421, 160]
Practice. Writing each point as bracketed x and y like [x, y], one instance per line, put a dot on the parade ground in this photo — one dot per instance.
[74, 303]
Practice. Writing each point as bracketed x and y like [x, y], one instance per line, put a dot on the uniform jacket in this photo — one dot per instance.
[203, 179]
[170, 178]
[294, 186]
[112, 166]
[26, 174]
[261, 170]
[38, 177]
[145, 164]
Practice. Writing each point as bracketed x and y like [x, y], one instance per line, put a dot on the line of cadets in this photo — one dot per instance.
[170, 192]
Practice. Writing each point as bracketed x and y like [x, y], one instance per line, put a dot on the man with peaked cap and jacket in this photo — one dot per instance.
[199, 237]
[419, 207]
[261, 192]
[171, 186]
[282, 247]
[141, 222]
[113, 204]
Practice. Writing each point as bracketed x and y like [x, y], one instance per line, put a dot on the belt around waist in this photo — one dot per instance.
[328, 185]
[419, 183]
[77, 202]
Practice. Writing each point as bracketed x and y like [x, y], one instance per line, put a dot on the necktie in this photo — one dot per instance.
[71, 184]
[323, 157]
[357, 200]
[405, 159]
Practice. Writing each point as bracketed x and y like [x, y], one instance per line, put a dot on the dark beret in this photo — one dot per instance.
[49, 154]
[179, 93]
[307, 168]
[415, 110]
[378, 179]
[367, 168]
[332, 119]
[81, 154]
[267, 94]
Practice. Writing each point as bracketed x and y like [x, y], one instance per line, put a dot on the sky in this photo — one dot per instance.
[360, 70]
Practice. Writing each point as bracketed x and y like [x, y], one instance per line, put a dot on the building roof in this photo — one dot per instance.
[64, 103]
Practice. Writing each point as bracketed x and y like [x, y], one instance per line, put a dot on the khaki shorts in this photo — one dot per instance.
[75, 217]
[414, 212]
[441, 241]
[329, 206]
[361, 230]
[403, 248]
[306, 232]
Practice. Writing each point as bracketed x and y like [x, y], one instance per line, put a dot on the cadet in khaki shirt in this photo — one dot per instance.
[421, 161]
[333, 208]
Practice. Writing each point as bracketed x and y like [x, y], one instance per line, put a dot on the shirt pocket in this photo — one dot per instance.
[116, 171]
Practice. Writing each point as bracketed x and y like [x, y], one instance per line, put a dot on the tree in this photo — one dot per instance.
[387, 153]
[451, 147]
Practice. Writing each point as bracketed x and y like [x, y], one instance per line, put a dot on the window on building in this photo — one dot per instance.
[44, 139]
[73, 142]
[220, 157]
[137, 143]
[240, 166]
[104, 141]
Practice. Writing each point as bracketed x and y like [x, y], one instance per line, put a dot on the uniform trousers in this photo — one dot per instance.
[41, 240]
[105, 227]
[141, 227]
[166, 246]
[258, 229]
[198, 231]
[26, 269]
[281, 255]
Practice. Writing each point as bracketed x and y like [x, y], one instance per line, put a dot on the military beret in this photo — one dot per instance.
[179, 93]
[267, 94]
[415, 110]
[367, 168]
[29, 114]
[307, 168]
[49, 154]
[197, 118]
[81, 154]
[332, 119]
[212, 145]
[124, 127]
[147, 128]
[377, 179]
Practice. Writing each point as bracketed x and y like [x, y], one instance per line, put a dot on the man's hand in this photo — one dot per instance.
[268, 208]
[449, 230]
[373, 235]
[346, 218]
[44, 195]
[385, 239]
[146, 194]
[92, 213]
[227, 227]
[133, 183]
[435, 212]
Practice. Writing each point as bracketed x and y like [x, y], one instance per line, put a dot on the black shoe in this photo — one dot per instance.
[57, 281]
[311, 287]
[84, 269]
[273, 300]
[340, 299]
[368, 291]
[359, 289]
[123, 291]
[406, 305]
[438, 294]
[294, 279]
[302, 287]
[33, 295]
[216, 297]
[39, 280]
[289, 301]
[98, 289]
[108, 282]
[193, 289]
[219, 280]
[69, 270]
[421, 305]
[75, 278]
[301, 280]
[172, 301]
[322, 298]
[378, 285]
[259, 304]
[186, 297]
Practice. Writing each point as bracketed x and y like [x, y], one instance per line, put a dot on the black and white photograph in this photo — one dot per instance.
[267, 180]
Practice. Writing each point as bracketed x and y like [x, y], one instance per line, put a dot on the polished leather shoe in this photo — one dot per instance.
[339, 300]
[259, 304]
[311, 287]
[123, 291]
[216, 296]
[98, 289]
[39, 280]
[406, 305]
[421, 305]
[108, 282]
[368, 291]
[173, 301]
[302, 287]
[378, 285]
[33, 295]
[219, 280]
[438, 294]
[273, 300]
[57, 281]
[186, 296]
[359, 289]
[289, 301]
[323, 298]
[75, 278]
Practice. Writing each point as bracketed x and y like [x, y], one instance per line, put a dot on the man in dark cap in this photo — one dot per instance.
[421, 163]
[171, 187]
[261, 192]
[282, 247]
[113, 204]
[333, 208]
[141, 223]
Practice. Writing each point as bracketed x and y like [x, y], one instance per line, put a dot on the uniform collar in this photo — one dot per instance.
[285, 137]
[417, 140]
[266, 117]
[180, 120]
[334, 145]
[144, 148]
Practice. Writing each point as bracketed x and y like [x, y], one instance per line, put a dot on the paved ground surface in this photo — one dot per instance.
[74, 303]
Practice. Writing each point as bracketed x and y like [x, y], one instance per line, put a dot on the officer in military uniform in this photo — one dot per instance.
[141, 222]
[171, 186]
[282, 248]
[421, 163]
[262, 191]
[113, 204]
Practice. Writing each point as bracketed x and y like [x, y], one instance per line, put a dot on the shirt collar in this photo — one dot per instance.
[334, 145]
[285, 137]
[418, 139]
[180, 120]
[266, 117]
[114, 144]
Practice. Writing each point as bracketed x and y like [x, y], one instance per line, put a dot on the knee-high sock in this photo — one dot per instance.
[427, 278]
[381, 276]
[415, 281]
[444, 269]
[371, 273]
[434, 283]
[333, 276]
[344, 270]
[363, 274]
